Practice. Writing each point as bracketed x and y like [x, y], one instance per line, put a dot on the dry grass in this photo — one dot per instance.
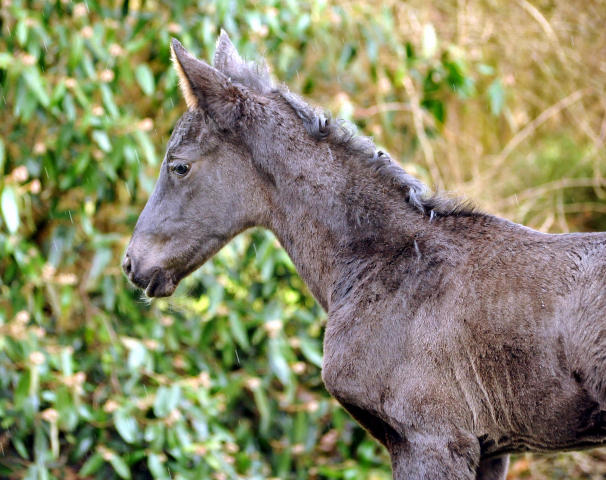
[574, 465]
[551, 57]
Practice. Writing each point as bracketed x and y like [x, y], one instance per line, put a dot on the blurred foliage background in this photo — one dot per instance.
[503, 102]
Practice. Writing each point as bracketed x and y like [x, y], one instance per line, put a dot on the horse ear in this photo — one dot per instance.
[206, 88]
[227, 59]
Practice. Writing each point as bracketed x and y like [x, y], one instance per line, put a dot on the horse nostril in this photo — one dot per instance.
[126, 265]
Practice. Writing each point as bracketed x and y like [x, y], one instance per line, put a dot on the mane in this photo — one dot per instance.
[340, 132]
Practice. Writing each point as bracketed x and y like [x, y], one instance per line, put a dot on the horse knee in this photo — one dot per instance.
[429, 457]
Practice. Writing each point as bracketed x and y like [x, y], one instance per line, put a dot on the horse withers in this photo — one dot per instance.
[454, 337]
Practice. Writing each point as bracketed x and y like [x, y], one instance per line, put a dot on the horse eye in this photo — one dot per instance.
[180, 169]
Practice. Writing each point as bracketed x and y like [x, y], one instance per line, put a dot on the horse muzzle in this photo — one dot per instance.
[156, 282]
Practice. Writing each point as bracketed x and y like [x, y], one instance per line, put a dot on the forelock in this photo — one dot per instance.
[188, 128]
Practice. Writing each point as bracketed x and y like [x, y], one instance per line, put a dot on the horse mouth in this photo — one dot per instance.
[160, 284]
[162, 281]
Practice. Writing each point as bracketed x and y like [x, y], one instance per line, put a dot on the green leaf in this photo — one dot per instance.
[120, 467]
[6, 60]
[311, 351]
[40, 444]
[136, 356]
[102, 139]
[108, 101]
[100, 260]
[238, 330]
[68, 418]
[21, 31]
[2, 156]
[485, 69]
[153, 431]
[66, 362]
[58, 93]
[69, 107]
[76, 49]
[126, 425]
[92, 465]
[166, 400]
[263, 407]
[157, 469]
[160, 402]
[145, 79]
[430, 41]
[496, 97]
[35, 84]
[84, 445]
[10, 210]
[33, 473]
[147, 145]
[22, 390]
[20, 447]
[277, 362]
[183, 435]
[174, 397]
[25, 103]
[213, 461]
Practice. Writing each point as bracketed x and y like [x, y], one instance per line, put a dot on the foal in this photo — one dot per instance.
[454, 337]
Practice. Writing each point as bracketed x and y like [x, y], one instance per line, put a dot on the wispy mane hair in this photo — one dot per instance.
[321, 126]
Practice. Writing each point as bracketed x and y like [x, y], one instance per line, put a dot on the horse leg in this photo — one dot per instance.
[493, 469]
[432, 457]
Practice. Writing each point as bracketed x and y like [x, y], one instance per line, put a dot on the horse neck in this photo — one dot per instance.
[330, 211]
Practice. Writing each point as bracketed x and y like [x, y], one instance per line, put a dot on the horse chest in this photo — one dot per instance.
[342, 372]
[359, 361]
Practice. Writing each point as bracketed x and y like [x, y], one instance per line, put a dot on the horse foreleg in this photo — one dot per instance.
[432, 457]
[493, 469]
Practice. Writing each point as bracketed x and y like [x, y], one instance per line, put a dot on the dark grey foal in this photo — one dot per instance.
[454, 337]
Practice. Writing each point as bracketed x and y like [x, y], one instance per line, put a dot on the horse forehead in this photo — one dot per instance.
[192, 127]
